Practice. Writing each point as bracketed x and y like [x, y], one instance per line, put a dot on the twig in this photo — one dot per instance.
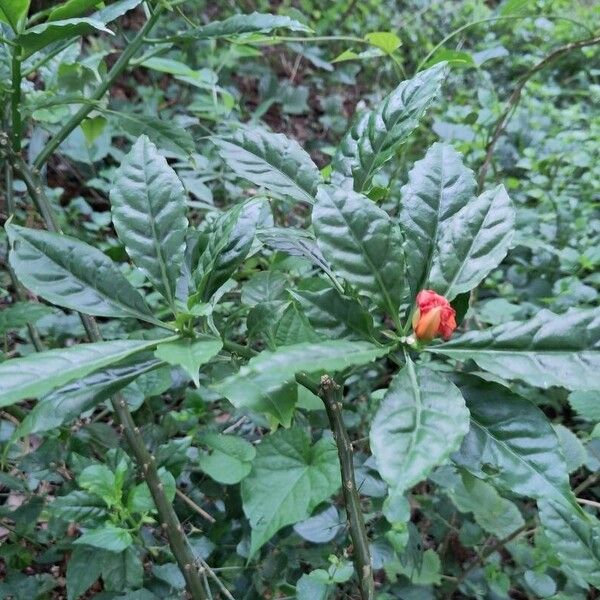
[331, 394]
[589, 482]
[588, 502]
[515, 98]
[195, 507]
[216, 579]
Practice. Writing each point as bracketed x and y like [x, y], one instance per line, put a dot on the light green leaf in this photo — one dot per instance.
[35, 38]
[289, 478]
[548, 350]
[190, 354]
[363, 244]
[229, 458]
[100, 480]
[271, 160]
[512, 444]
[38, 374]
[574, 537]
[115, 10]
[385, 40]
[438, 187]
[110, 537]
[376, 135]
[420, 422]
[93, 128]
[71, 8]
[472, 243]
[70, 273]
[148, 211]
[251, 23]
[585, 403]
[14, 12]
[20, 314]
[140, 499]
[572, 448]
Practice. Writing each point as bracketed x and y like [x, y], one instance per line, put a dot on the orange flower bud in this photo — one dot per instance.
[433, 316]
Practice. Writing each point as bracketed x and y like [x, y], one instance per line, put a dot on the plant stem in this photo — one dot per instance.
[16, 123]
[99, 92]
[331, 394]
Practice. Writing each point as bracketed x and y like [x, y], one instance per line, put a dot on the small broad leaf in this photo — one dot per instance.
[473, 243]
[271, 160]
[148, 211]
[574, 537]
[83, 569]
[110, 537]
[384, 40]
[548, 350]
[14, 12]
[38, 374]
[140, 499]
[100, 480]
[289, 478]
[190, 354]
[376, 135]
[70, 273]
[229, 458]
[420, 422]
[512, 444]
[321, 528]
[251, 23]
[20, 314]
[78, 506]
[585, 403]
[363, 244]
[35, 38]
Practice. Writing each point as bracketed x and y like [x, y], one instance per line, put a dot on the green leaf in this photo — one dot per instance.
[93, 128]
[100, 480]
[165, 134]
[78, 506]
[122, 571]
[456, 58]
[190, 354]
[571, 446]
[140, 499]
[335, 315]
[38, 374]
[70, 273]
[83, 569]
[71, 8]
[384, 40]
[375, 136]
[35, 38]
[251, 23]
[574, 537]
[14, 13]
[512, 444]
[585, 403]
[229, 458]
[438, 187]
[110, 537]
[362, 243]
[257, 385]
[548, 350]
[472, 243]
[115, 10]
[20, 314]
[289, 479]
[293, 328]
[148, 211]
[67, 403]
[272, 161]
[420, 422]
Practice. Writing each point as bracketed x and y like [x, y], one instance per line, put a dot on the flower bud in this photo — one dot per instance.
[433, 317]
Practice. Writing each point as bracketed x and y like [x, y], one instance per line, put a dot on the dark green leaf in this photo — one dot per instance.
[251, 23]
[71, 8]
[229, 458]
[20, 314]
[83, 569]
[110, 537]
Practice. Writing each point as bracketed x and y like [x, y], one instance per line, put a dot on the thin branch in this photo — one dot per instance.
[331, 394]
[195, 507]
[515, 98]
[216, 579]
[588, 502]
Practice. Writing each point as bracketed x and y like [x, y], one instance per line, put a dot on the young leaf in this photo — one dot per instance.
[376, 135]
[190, 354]
[438, 187]
[289, 478]
[38, 374]
[473, 243]
[548, 350]
[14, 12]
[271, 160]
[420, 422]
[574, 537]
[71, 8]
[252, 23]
[110, 537]
[148, 210]
[512, 444]
[229, 458]
[70, 273]
[362, 243]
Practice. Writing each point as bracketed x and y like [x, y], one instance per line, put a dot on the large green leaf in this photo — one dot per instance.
[472, 243]
[438, 187]
[71, 8]
[14, 12]
[70, 273]
[38, 374]
[229, 457]
[35, 38]
[110, 537]
[67, 403]
[258, 385]
[548, 350]
[148, 210]
[574, 537]
[512, 444]
[289, 478]
[376, 135]
[271, 160]
[362, 243]
[252, 23]
[421, 421]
